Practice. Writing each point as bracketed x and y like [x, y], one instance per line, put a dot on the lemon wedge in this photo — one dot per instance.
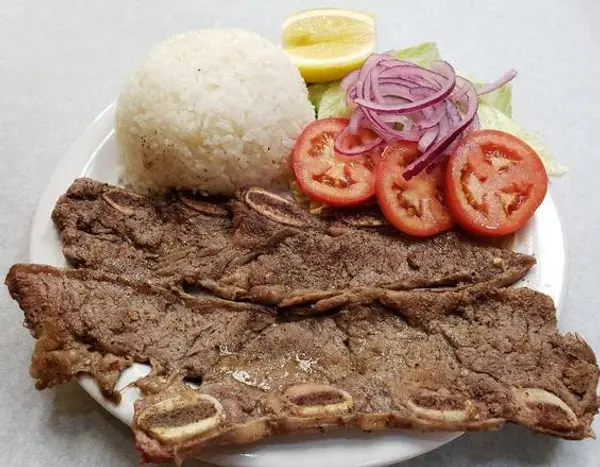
[327, 44]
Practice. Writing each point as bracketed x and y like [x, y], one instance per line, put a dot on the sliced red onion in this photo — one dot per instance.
[436, 151]
[376, 86]
[504, 79]
[433, 106]
[438, 96]
[392, 119]
[452, 113]
[444, 126]
[396, 99]
[352, 128]
[397, 90]
[388, 132]
[402, 108]
[422, 92]
[460, 90]
[370, 63]
[432, 116]
[428, 138]
[397, 81]
[350, 79]
[451, 148]
[414, 71]
[367, 88]
[355, 120]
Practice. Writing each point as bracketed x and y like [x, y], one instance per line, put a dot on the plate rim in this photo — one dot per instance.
[84, 149]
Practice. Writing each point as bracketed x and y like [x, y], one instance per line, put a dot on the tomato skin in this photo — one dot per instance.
[415, 207]
[327, 176]
[494, 200]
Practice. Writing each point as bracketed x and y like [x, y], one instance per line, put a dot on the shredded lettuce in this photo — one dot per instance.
[422, 54]
[494, 118]
[495, 108]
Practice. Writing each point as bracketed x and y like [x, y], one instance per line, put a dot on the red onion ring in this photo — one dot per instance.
[433, 106]
[438, 96]
[436, 150]
[504, 79]
[358, 149]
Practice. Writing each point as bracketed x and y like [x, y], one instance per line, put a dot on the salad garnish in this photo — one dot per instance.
[430, 145]
[432, 106]
[494, 108]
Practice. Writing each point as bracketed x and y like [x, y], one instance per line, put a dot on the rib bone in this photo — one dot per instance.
[160, 419]
[303, 400]
[452, 360]
[275, 207]
[122, 194]
[452, 414]
[545, 408]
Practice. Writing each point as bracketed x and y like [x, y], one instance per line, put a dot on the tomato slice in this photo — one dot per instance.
[494, 183]
[327, 176]
[415, 207]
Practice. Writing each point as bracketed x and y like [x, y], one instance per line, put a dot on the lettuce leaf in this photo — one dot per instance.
[333, 102]
[315, 94]
[493, 118]
[500, 99]
[422, 54]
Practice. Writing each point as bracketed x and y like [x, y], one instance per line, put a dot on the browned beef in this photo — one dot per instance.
[158, 239]
[306, 259]
[456, 360]
[274, 253]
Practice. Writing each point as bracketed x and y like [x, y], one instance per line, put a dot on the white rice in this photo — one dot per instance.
[213, 110]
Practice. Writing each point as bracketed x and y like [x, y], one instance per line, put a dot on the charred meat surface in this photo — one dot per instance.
[470, 359]
[271, 251]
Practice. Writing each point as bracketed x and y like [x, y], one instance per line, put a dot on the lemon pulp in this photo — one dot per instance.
[327, 44]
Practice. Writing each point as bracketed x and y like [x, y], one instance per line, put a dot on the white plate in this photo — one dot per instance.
[95, 155]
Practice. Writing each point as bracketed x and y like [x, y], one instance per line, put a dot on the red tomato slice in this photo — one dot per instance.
[415, 207]
[494, 183]
[327, 176]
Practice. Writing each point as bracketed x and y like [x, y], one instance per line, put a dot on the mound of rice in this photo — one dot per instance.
[214, 111]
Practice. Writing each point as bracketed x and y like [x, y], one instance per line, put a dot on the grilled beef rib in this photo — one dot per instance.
[268, 250]
[469, 359]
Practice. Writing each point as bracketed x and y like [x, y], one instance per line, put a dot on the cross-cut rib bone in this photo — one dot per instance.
[276, 208]
[311, 400]
[455, 360]
[443, 408]
[185, 415]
